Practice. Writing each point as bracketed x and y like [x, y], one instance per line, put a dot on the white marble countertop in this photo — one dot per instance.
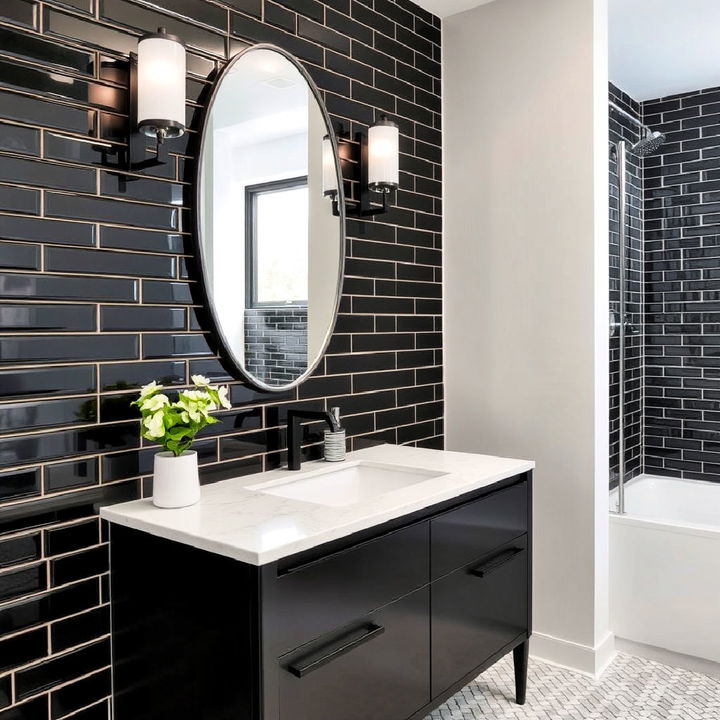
[234, 520]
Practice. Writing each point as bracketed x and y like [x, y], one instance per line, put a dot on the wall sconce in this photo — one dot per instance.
[378, 169]
[157, 96]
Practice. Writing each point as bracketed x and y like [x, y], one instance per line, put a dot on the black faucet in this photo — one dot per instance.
[294, 432]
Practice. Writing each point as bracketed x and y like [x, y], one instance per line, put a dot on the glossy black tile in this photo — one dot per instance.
[19, 484]
[47, 318]
[19, 12]
[110, 211]
[5, 691]
[45, 113]
[28, 383]
[19, 550]
[280, 17]
[66, 443]
[146, 190]
[39, 349]
[47, 231]
[88, 690]
[50, 606]
[80, 629]
[58, 287]
[43, 174]
[61, 669]
[34, 48]
[166, 292]
[108, 262]
[255, 31]
[24, 581]
[82, 151]
[19, 200]
[18, 139]
[132, 239]
[79, 565]
[65, 476]
[23, 649]
[36, 709]
[91, 34]
[161, 346]
[72, 537]
[126, 376]
[35, 415]
[142, 318]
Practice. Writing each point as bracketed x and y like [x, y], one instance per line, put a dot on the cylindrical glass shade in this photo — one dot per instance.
[161, 85]
[330, 184]
[383, 156]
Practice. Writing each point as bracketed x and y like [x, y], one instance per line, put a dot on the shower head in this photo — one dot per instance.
[649, 144]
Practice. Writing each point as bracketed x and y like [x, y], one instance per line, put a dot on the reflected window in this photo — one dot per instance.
[276, 229]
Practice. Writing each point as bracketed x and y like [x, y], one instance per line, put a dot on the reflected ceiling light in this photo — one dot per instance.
[158, 76]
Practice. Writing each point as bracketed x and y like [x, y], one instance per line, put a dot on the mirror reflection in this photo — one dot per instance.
[271, 247]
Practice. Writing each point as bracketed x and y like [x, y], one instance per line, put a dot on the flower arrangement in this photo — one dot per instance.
[174, 425]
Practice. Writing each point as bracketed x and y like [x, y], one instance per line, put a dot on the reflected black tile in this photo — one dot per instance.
[22, 649]
[27, 580]
[58, 287]
[50, 606]
[166, 292]
[19, 483]
[36, 172]
[74, 537]
[34, 48]
[195, 36]
[80, 565]
[45, 318]
[80, 629]
[45, 113]
[107, 262]
[146, 190]
[19, 139]
[64, 476]
[15, 384]
[142, 318]
[19, 200]
[20, 12]
[79, 694]
[63, 508]
[20, 550]
[112, 211]
[46, 413]
[133, 375]
[49, 231]
[61, 669]
[64, 443]
[160, 346]
[36, 709]
[131, 239]
[120, 466]
[22, 77]
[72, 347]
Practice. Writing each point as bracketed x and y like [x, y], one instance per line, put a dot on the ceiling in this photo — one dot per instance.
[663, 47]
[444, 8]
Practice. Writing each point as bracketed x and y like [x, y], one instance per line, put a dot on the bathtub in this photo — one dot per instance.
[665, 566]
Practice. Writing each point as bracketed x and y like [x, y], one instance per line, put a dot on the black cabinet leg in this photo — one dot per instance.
[520, 660]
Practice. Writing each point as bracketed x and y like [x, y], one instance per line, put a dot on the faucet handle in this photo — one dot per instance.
[335, 412]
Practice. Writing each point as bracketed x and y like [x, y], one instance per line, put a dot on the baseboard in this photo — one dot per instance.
[584, 659]
[668, 657]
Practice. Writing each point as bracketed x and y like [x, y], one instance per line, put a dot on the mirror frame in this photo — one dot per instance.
[217, 337]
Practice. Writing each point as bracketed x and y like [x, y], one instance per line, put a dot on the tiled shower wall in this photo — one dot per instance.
[96, 281]
[622, 129]
[682, 279]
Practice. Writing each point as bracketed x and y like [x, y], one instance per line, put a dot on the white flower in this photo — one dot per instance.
[223, 395]
[149, 389]
[200, 381]
[154, 403]
[154, 424]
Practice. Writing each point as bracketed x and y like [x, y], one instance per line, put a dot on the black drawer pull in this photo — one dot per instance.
[301, 670]
[496, 562]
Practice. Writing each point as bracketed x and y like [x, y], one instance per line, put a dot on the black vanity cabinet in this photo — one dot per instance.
[385, 624]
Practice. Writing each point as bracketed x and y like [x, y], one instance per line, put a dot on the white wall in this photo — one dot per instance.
[526, 286]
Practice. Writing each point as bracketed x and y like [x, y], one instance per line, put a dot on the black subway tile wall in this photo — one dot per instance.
[622, 129]
[682, 283]
[96, 285]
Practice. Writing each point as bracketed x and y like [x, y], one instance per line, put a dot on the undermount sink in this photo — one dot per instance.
[347, 485]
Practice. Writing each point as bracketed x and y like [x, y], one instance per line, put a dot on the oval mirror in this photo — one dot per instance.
[270, 241]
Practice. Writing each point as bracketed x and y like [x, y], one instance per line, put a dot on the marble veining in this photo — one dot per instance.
[234, 520]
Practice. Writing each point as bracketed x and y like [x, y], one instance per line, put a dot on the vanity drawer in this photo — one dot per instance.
[476, 611]
[322, 595]
[378, 667]
[470, 531]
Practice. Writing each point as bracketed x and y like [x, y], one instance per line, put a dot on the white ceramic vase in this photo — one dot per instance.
[176, 482]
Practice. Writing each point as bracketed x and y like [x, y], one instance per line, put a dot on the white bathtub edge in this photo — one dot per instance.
[668, 657]
[585, 659]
